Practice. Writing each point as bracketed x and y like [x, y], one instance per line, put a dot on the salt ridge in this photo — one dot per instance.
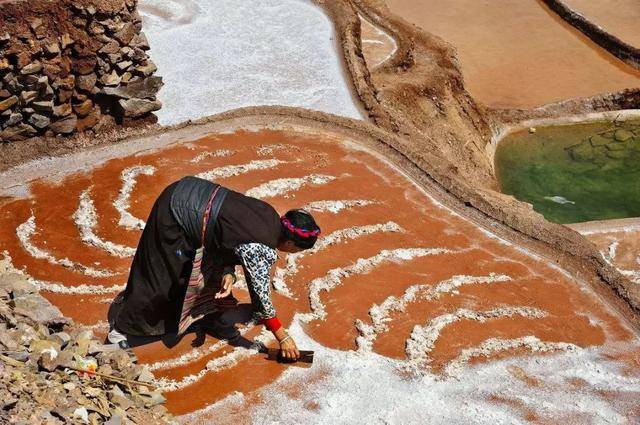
[380, 313]
[334, 277]
[324, 242]
[215, 154]
[86, 219]
[286, 185]
[129, 179]
[495, 345]
[423, 338]
[235, 170]
[27, 229]
[335, 206]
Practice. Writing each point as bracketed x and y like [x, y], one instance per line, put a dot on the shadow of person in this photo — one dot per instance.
[220, 325]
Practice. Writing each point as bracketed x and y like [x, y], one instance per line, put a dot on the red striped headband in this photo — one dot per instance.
[298, 231]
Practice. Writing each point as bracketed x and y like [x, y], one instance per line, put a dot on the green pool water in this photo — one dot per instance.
[574, 173]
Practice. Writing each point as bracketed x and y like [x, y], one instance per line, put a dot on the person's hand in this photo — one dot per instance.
[288, 349]
[227, 283]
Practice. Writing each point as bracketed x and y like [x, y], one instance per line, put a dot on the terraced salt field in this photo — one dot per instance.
[618, 17]
[400, 293]
[518, 53]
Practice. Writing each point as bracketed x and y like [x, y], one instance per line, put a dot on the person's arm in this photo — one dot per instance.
[257, 261]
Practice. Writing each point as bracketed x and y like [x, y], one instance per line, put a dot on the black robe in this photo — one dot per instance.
[152, 300]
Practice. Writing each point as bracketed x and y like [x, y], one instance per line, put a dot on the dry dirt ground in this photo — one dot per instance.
[397, 273]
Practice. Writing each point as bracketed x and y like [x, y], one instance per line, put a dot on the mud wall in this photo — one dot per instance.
[70, 66]
[610, 42]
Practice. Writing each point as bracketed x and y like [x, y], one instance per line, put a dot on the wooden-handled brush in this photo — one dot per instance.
[276, 354]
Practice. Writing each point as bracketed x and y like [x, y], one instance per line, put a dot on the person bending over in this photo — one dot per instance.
[183, 269]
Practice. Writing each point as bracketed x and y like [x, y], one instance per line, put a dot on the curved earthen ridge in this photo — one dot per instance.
[448, 135]
[622, 50]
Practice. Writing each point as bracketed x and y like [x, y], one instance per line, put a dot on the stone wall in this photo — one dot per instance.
[68, 66]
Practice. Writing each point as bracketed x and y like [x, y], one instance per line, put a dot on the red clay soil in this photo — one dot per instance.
[618, 17]
[519, 54]
[573, 313]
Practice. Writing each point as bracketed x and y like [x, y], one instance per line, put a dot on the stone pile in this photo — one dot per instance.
[613, 148]
[65, 66]
[40, 354]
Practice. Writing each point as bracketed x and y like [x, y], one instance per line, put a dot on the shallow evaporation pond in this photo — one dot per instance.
[574, 173]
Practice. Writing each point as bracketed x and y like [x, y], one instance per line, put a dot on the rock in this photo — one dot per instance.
[65, 125]
[153, 399]
[89, 121]
[140, 41]
[43, 106]
[126, 34]
[145, 375]
[4, 64]
[112, 79]
[623, 135]
[122, 66]
[4, 93]
[86, 82]
[532, 130]
[18, 132]
[146, 70]
[38, 308]
[79, 97]
[114, 58]
[35, 23]
[83, 109]
[31, 68]
[114, 420]
[62, 110]
[66, 83]
[8, 103]
[6, 340]
[64, 95]
[39, 121]
[14, 119]
[85, 65]
[110, 48]
[598, 140]
[49, 360]
[82, 341]
[620, 146]
[95, 347]
[142, 89]
[82, 414]
[61, 338]
[27, 97]
[131, 108]
[38, 346]
[52, 49]
[95, 28]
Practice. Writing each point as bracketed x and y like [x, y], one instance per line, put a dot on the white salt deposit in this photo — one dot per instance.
[355, 388]
[25, 232]
[335, 206]
[284, 186]
[225, 361]
[496, 345]
[6, 266]
[423, 338]
[335, 276]
[235, 170]
[324, 242]
[86, 219]
[122, 203]
[381, 313]
[221, 153]
[225, 54]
